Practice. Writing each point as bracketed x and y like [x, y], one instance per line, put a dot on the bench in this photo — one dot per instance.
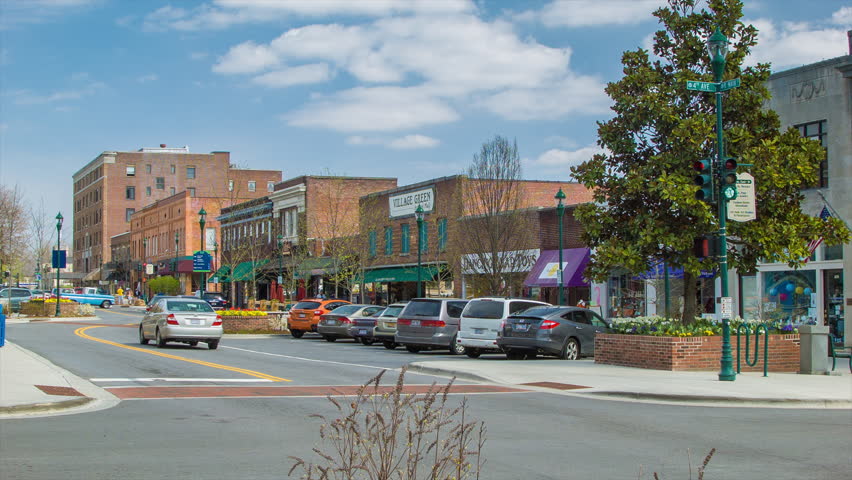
[844, 353]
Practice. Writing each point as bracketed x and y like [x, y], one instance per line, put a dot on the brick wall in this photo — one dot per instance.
[243, 324]
[692, 353]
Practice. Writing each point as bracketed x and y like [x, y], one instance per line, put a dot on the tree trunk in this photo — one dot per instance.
[689, 303]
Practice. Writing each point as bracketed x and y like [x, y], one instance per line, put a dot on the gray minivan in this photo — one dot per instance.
[482, 318]
[430, 324]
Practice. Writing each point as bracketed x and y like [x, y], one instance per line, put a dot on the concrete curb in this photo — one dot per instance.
[717, 399]
[48, 407]
[418, 367]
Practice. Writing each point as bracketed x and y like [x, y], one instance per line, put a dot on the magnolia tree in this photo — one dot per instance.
[645, 210]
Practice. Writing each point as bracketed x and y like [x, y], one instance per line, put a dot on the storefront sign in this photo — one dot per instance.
[514, 261]
[406, 203]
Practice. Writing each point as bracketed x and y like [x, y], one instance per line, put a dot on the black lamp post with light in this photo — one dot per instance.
[418, 214]
[281, 264]
[58, 255]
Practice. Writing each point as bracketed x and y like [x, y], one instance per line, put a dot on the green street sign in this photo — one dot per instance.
[700, 86]
[729, 84]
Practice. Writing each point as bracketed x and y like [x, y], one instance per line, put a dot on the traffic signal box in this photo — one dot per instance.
[705, 246]
[729, 179]
[704, 180]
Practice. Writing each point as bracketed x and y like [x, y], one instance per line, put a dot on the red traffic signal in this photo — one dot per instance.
[704, 180]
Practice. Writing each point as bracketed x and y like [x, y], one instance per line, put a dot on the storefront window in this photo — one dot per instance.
[626, 296]
[750, 304]
[834, 252]
[833, 281]
[790, 296]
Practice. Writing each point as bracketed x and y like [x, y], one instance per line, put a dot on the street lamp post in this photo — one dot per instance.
[717, 47]
[177, 254]
[560, 211]
[201, 220]
[418, 214]
[144, 274]
[216, 254]
[281, 264]
[58, 247]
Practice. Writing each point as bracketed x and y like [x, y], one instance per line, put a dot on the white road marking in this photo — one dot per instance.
[229, 380]
[375, 367]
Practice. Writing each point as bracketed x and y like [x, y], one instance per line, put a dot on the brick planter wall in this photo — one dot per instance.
[243, 324]
[692, 353]
[42, 309]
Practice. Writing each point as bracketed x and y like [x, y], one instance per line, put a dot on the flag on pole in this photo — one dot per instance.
[814, 244]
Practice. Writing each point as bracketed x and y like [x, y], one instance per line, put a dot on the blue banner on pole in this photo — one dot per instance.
[59, 260]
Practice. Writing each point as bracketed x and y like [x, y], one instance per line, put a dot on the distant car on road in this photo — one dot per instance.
[481, 320]
[12, 298]
[216, 300]
[566, 332]
[430, 324]
[385, 327]
[305, 314]
[186, 320]
[336, 324]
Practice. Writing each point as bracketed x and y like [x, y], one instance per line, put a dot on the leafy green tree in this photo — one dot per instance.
[645, 210]
[167, 285]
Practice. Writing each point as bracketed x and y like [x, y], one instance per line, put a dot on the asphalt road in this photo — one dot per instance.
[531, 435]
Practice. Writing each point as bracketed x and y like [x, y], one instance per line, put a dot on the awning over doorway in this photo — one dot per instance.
[545, 272]
[246, 271]
[400, 274]
[222, 274]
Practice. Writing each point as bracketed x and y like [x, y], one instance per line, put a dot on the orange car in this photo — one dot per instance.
[305, 314]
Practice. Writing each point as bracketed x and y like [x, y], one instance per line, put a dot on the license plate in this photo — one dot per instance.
[478, 331]
[522, 327]
[415, 323]
[195, 322]
[301, 315]
[362, 331]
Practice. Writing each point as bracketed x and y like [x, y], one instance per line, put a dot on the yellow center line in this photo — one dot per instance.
[81, 332]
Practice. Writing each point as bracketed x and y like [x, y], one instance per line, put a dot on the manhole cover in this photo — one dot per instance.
[63, 391]
[554, 385]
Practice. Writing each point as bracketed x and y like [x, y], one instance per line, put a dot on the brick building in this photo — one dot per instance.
[115, 185]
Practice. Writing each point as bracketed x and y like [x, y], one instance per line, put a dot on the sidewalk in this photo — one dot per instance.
[586, 378]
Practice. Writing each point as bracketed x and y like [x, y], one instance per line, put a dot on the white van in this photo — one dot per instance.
[481, 319]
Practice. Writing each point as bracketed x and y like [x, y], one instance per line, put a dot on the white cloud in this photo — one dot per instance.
[373, 109]
[593, 13]
[561, 160]
[247, 57]
[15, 13]
[300, 75]
[795, 44]
[842, 16]
[408, 142]
[28, 97]
[584, 95]
[148, 78]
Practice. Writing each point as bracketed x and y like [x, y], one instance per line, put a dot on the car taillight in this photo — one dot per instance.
[218, 321]
[548, 324]
[403, 321]
[344, 320]
[171, 320]
[322, 317]
[317, 312]
[433, 323]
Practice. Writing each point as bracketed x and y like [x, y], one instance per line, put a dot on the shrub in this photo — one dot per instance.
[167, 285]
[701, 327]
[237, 312]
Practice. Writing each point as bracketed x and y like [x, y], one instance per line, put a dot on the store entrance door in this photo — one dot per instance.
[833, 281]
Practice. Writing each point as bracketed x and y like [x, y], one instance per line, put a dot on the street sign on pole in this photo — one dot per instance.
[729, 84]
[727, 307]
[201, 261]
[744, 207]
[701, 86]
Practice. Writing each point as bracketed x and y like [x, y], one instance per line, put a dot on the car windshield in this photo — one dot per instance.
[176, 306]
[537, 312]
[392, 311]
[306, 305]
[347, 309]
[484, 309]
[424, 308]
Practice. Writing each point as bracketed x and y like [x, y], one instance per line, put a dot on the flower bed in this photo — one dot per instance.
[658, 344]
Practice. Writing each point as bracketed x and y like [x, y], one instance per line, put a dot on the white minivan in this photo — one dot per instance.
[481, 319]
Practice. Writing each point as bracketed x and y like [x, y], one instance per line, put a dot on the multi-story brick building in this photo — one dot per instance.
[115, 185]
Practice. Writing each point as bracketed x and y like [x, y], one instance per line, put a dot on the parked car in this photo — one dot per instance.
[216, 300]
[385, 327]
[482, 318]
[336, 324]
[62, 291]
[430, 324]
[186, 320]
[157, 297]
[567, 332]
[12, 298]
[305, 314]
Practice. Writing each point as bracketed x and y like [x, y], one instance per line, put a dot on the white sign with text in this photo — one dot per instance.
[406, 203]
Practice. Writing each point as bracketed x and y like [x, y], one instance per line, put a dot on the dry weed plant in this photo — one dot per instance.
[689, 457]
[384, 435]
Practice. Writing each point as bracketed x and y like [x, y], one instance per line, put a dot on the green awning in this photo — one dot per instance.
[247, 271]
[222, 274]
[400, 274]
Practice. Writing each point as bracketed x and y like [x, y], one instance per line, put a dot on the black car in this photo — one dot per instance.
[216, 300]
[567, 332]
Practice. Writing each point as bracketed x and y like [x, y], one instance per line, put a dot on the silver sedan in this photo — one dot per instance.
[185, 320]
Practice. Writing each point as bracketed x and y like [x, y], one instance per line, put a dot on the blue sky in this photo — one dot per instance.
[406, 89]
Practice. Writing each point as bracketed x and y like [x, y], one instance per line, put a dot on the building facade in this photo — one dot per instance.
[115, 185]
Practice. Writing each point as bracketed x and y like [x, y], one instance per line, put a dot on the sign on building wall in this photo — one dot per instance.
[514, 261]
[405, 204]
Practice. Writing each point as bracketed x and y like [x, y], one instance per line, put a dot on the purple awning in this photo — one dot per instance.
[545, 271]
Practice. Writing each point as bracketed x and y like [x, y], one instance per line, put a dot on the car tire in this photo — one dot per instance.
[106, 304]
[142, 339]
[571, 350]
[213, 345]
[329, 338]
[472, 353]
[367, 341]
[161, 342]
[511, 355]
[456, 348]
[413, 348]
[297, 333]
[390, 345]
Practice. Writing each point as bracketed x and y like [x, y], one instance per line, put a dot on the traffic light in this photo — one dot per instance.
[705, 246]
[729, 179]
[704, 180]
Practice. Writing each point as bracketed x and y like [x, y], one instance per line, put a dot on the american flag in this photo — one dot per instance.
[813, 244]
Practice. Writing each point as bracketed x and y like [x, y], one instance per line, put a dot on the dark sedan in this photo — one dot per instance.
[566, 332]
[216, 300]
[336, 324]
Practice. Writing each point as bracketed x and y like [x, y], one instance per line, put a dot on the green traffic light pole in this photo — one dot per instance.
[717, 46]
[202, 219]
[560, 210]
